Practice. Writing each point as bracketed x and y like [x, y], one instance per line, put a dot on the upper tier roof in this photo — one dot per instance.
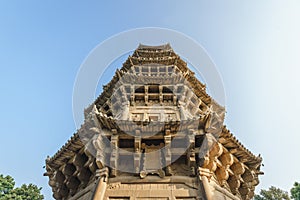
[162, 55]
[160, 47]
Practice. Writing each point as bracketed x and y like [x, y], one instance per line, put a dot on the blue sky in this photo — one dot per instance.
[254, 44]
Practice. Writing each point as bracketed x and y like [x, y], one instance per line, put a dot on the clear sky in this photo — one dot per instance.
[255, 45]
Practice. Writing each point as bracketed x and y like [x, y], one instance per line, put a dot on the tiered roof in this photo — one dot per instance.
[74, 166]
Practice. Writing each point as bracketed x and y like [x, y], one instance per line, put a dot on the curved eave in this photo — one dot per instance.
[228, 140]
[66, 151]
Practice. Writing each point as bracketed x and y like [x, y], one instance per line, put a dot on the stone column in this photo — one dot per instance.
[167, 152]
[137, 149]
[102, 175]
[204, 176]
[115, 153]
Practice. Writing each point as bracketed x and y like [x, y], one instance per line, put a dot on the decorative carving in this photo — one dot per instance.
[222, 175]
[181, 169]
[216, 150]
[102, 173]
[234, 183]
[113, 186]
[226, 159]
[205, 172]
[238, 168]
[214, 122]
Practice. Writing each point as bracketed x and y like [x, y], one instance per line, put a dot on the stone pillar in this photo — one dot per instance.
[167, 152]
[102, 175]
[191, 157]
[114, 154]
[137, 149]
[204, 176]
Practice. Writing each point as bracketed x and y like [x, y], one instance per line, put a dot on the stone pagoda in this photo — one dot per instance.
[153, 133]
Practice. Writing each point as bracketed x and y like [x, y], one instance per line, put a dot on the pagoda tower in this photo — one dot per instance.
[153, 133]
